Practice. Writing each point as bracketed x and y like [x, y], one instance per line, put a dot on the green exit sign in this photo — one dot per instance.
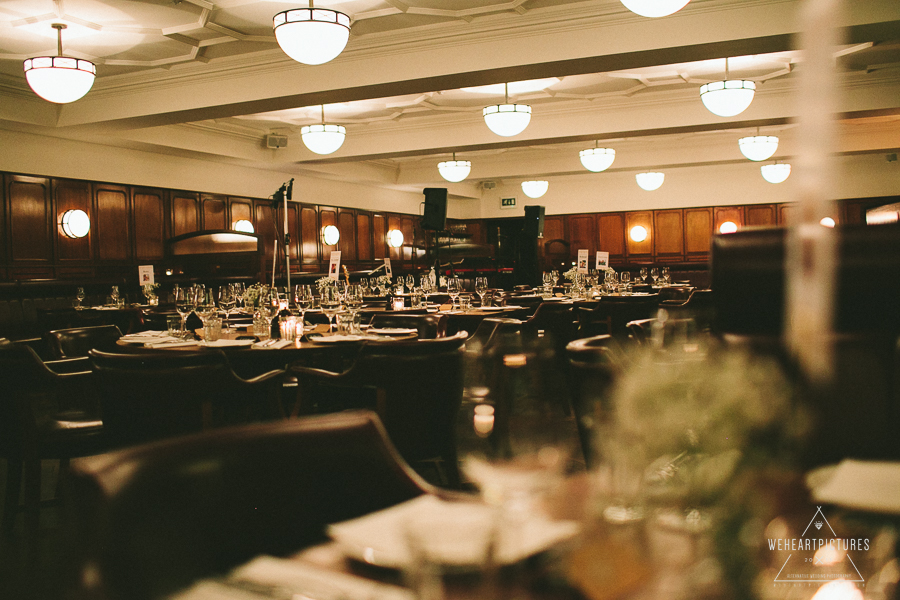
[507, 202]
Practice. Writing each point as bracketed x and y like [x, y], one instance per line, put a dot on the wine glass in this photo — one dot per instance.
[665, 276]
[303, 299]
[454, 288]
[227, 302]
[330, 301]
[654, 275]
[410, 282]
[79, 295]
[184, 304]
[114, 295]
[238, 289]
[353, 299]
[427, 288]
[481, 287]
[205, 304]
[643, 274]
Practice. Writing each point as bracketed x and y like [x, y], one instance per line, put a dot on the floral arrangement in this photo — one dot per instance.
[150, 288]
[253, 293]
[384, 281]
[324, 282]
[571, 274]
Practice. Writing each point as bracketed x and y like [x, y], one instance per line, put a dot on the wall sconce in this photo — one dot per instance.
[638, 233]
[330, 235]
[395, 238]
[243, 225]
[728, 227]
[75, 224]
[827, 222]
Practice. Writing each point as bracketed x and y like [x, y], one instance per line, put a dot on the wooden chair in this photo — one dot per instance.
[152, 395]
[150, 520]
[414, 386]
[37, 422]
[77, 342]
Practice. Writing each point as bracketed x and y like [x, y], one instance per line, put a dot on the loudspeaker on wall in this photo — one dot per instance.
[435, 215]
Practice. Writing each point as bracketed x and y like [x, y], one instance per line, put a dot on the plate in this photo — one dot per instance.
[337, 339]
[381, 537]
[494, 308]
[392, 330]
[228, 343]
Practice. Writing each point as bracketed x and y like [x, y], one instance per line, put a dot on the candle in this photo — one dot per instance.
[484, 420]
[398, 303]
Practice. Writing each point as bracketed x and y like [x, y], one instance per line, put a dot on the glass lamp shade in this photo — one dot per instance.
[728, 227]
[758, 147]
[775, 173]
[650, 181]
[455, 170]
[654, 8]
[75, 224]
[330, 235]
[312, 36]
[535, 189]
[323, 139]
[60, 79]
[507, 119]
[243, 225]
[638, 233]
[597, 159]
[727, 98]
[395, 238]
[827, 222]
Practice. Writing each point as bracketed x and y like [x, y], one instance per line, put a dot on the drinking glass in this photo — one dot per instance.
[79, 295]
[238, 289]
[205, 304]
[481, 287]
[227, 302]
[654, 275]
[643, 274]
[184, 304]
[427, 287]
[270, 305]
[303, 299]
[330, 301]
[454, 288]
[665, 276]
[114, 295]
[353, 298]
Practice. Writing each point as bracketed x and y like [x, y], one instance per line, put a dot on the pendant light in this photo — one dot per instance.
[455, 170]
[650, 181]
[728, 97]
[507, 119]
[535, 189]
[758, 147]
[312, 36]
[322, 138]
[775, 173]
[60, 79]
[597, 159]
[655, 8]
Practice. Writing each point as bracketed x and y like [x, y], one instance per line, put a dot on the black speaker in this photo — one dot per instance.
[534, 221]
[435, 209]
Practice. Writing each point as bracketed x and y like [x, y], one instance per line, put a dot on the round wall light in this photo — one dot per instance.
[597, 159]
[650, 181]
[827, 222]
[638, 233]
[395, 238]
[535, 189]
[243, 225]
[330, 235]
[776, 173]
[728, 227]
[75, 224]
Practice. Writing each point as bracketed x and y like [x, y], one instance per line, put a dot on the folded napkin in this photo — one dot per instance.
[272, 344]
[227, 343]
[164, 344]
[862, 485]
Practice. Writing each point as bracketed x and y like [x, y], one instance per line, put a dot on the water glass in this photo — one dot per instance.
[290, 328]
[465, 302]
[173, 326]
[212, 329]
[262, 328]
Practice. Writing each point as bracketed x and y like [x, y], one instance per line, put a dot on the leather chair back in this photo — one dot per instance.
[154, 518]
[77, 342]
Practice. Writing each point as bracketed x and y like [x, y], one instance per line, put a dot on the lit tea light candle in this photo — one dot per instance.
[398, 303]
[484, 419]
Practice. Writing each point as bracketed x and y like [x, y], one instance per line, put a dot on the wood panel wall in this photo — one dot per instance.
[130, 225]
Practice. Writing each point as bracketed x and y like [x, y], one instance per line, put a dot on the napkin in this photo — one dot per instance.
[226, 343]
[273, 345]
[164, 344]
[871, 486]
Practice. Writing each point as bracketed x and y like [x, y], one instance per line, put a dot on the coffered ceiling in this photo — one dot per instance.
[206, 79]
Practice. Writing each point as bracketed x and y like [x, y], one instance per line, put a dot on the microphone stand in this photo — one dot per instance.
[287, 235]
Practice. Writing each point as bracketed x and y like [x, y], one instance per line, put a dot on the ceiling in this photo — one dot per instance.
[206, 79]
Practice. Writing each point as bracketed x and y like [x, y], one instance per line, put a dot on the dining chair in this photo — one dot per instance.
[151, 519]
[164, 393]
[428, 326]
[76, 342]
[38, 421]
[594, 365]
[415, 386]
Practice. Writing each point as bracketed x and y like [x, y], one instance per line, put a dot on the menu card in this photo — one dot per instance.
[334, 267]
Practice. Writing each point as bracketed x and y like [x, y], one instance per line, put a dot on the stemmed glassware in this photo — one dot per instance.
[427, 288]
[114, 295]
[303, 298]
[654, 275]
[353, 299]
[184, 304]
[79, 295]
[454, 288]
[205, 304]
[330, 301]
[270, 305]
[643, 274]
[238, 289]
[481, 288]
[410, 283]
[227, 302]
